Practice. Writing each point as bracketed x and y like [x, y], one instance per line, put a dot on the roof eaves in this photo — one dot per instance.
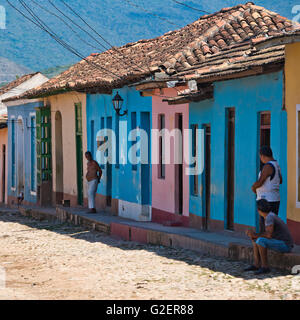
[282, 39]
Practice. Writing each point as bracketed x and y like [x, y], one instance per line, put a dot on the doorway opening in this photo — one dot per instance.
[207, 176]
[109, 170]
[179, 165]
[79, 153]
[3, 172]
[59, 158]
[230, 146]
[20, 157]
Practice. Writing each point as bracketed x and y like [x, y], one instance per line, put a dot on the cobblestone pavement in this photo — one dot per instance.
[59, 261]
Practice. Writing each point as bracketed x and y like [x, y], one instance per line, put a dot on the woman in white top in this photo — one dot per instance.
[268, 185]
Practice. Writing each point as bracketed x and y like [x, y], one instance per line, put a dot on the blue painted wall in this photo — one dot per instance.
[248, 96]
[24, 112]
[127, 180]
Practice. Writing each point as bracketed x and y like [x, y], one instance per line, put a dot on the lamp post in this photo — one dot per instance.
[118, 104]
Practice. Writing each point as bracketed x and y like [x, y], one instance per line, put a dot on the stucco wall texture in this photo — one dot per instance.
[65, 104]
[163, 190]
[21, 116]
[3, 142]
[124, 183]
[292, 72]
[249, 96]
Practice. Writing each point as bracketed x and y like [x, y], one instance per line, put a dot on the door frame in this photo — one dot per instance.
[207, 177]
[20, 155]
[230, 168]
[179, 167]
[3, 173]
[79, 152]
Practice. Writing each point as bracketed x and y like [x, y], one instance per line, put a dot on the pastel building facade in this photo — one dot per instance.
[22, 161]
[291, 43]
[67, 143]
[244, 115]
[126, 187]
[170, 184]
[3, 162]
[22, 142]
[292, 70]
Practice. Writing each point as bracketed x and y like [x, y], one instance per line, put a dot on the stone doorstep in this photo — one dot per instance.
[234, 251]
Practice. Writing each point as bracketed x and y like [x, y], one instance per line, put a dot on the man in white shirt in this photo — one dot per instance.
[268, 185]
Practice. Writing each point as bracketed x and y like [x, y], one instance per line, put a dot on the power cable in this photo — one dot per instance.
[61, 42]
[98, 34]
[61, 19]
[39, 23]
[149, 12]
[190, 7]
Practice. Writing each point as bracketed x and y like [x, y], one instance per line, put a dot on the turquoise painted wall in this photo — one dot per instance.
[249, 96]
[127, 180]
[28, 162]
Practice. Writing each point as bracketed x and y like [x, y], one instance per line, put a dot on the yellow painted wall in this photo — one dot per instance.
[292, 73]
[65, 103]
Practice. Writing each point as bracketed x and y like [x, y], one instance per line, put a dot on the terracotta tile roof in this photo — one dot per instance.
[233, 61]
[8, 87]
[278, 39]
[174, 52]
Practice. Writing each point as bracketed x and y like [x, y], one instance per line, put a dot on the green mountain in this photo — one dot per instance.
[119, 21]
[9, 70]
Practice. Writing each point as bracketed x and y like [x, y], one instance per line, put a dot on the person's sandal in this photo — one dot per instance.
[251, 268]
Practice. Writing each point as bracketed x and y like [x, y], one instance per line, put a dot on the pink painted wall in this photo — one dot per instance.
[163, 190]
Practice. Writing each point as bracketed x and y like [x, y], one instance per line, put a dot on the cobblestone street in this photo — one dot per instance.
[58, 261]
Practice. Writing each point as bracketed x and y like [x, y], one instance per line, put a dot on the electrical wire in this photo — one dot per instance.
[61, 42]
[98, 34]
[190, 7]
[77, 25]
[149, 12]
[93, 29]
[61, 19]
[39, 23]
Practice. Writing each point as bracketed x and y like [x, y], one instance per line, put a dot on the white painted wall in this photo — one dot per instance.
[32, 83]
[135, 211]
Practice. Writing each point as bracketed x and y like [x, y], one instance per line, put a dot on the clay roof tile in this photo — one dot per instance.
[175, 50]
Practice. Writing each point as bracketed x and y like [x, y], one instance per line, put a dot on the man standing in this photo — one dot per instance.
[93, 176]
[276, 237]
[269, 181]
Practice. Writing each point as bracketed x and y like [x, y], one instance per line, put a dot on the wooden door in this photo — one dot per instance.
[230, 143]
[207, 177]
[179, 166]
[3, 172]
[44, 155]
[79, 152]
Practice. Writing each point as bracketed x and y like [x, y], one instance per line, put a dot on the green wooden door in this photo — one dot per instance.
[43, 137]
[79, 152]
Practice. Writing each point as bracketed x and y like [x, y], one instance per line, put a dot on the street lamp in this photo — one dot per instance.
[118, 104]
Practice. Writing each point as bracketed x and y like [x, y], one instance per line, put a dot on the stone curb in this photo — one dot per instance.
[234, 251]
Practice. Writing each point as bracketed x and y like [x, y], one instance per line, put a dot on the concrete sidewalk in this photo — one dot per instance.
[222, 244]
